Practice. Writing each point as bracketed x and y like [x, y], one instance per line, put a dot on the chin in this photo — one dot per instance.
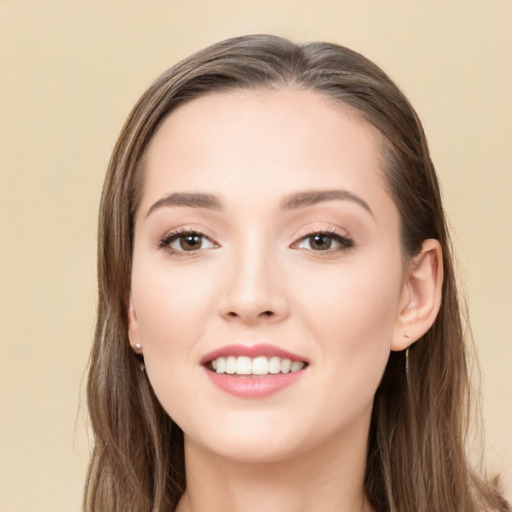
[248, 439]
[243, 449]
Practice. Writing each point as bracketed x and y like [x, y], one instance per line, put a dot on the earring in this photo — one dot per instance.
[137, 348]
[408, 336]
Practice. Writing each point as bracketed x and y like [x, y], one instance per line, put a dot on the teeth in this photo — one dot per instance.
[231, 365]
[261, 365]
[243, 365]
[286, 365]
[274, 365]
[296, 366]
[221, 365]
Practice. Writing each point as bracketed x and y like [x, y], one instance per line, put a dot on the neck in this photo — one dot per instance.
[329, 478]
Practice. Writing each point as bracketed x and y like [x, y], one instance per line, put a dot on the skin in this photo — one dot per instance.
[255, 277]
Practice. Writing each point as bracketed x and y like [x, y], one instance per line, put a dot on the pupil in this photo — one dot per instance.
[190, 242]
[321, 241]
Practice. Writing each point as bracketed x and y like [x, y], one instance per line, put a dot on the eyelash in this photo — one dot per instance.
[345, 243]
[169, 238]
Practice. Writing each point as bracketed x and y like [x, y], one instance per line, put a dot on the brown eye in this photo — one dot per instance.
[320, 242]
[186, 241]
[190, 242]
[323, 242]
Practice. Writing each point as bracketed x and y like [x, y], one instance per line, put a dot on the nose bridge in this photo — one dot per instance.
[252, 289]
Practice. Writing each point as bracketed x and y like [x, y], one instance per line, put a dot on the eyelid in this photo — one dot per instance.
[344, 240]
[321, 227]
[174, 234]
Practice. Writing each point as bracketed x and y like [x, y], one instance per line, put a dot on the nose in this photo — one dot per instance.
[253, 292]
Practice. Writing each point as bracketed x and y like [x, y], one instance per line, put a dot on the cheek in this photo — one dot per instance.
[171, 309]
[353, 317]
[169, 304]
[356, 305]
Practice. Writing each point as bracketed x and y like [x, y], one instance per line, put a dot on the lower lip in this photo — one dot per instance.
[254, 386]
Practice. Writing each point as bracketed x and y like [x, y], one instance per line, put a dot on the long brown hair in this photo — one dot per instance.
[416, 458]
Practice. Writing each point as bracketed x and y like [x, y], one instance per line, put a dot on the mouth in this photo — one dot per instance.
[260, 366]
[253, 371]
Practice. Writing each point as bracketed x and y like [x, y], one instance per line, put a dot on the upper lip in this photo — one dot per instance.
[252, 351]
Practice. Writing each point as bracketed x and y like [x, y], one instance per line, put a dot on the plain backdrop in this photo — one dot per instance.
[70, 72]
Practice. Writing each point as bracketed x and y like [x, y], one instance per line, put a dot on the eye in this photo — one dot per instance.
[323, 242]
[186, 241]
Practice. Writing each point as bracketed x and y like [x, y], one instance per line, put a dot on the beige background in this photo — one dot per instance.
[69, 73]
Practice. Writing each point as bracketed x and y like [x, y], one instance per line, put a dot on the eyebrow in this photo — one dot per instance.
[190, 199]
[291, 202]
[311, 197]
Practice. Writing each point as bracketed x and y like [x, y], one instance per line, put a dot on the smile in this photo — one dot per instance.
[243, 365]
[253, 371]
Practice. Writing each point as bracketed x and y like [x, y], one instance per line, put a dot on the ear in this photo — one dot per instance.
[133, 328]
[421, 296]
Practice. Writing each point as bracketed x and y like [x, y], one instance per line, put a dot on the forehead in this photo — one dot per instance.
[253, 113]
[265, 142]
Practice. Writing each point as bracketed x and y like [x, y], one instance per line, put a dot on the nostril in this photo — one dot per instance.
[250, 314]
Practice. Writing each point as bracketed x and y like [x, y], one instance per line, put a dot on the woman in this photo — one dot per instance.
[278, 322]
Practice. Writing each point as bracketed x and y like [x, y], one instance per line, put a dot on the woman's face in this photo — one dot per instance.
[265, 233]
